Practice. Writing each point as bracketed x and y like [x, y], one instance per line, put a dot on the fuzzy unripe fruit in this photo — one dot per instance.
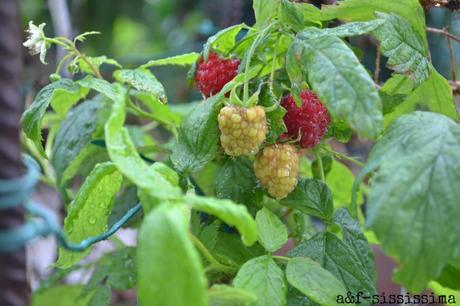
[213, 74]
[242, 129]
[277, 168]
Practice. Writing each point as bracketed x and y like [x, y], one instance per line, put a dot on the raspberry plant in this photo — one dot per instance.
[250, 167]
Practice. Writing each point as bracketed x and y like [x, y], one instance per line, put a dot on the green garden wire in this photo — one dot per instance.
[41, 221]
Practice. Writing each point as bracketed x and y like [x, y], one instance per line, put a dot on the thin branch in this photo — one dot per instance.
[443, 32]
[452, 60]
[377, 66]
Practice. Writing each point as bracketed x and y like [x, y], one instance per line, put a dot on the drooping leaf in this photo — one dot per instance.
[88, 213]
[338, 258]
[406, 50]
[312, 197]
[168, 267]
[341, 82]
[363, 10]
[180, 60]
[123, 153]
[354, 237]
[61, 95]
[231, 213]
[315, 282]
[223, 295]
[235, 180]
[265, 279]
[415, 184]
[143, 80]
[222, 41]
[272, 232]
[82, 124]
[198, 137]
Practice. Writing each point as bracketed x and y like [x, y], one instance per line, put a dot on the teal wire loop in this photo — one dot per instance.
[16, 191]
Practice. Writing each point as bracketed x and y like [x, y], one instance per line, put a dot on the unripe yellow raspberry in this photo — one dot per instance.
[277, 168]
[242, 129]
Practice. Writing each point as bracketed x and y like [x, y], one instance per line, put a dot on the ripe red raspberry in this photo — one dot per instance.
[311, 119]
[277, 168]
[213, 74]
[242, 129]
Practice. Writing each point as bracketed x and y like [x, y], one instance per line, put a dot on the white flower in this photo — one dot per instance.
[36, 40]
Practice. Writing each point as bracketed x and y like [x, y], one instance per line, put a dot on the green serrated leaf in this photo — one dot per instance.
[265, 279]
[353, 236]
[363, 10]
[143, 80]
[186, 59]
[265, 11]
[230, 247]
[434, 94]
[101, 297]
[272, 232]
[198, 137]
[290, 14]
[406, 50]
[116, 269]
[82, 124]
[312, 197]
[61, 94]
[123, 153]
[168, 267]
[88, 213]
[223, 41]
[102, 86]
[231, 213]
[315, 282]
[235, 180]
[338, 258]
[223, 295]
[418, 169]
[341, 82]
[349, 29]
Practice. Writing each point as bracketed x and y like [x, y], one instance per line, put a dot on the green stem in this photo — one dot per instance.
[215, 264]
[62, 61]
[283, 258]
[344, 156]
[320, 164]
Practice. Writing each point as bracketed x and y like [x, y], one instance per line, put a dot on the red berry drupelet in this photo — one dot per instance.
[311, 119]
[213, 74]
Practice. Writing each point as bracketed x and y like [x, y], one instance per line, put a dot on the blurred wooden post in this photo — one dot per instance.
[14, 289]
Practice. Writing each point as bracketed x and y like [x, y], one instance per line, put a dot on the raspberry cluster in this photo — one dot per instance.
[213, 74]
[242, 129]
[277, 168]
[310, 120]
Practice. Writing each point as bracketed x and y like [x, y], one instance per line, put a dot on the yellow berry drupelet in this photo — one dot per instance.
[277, 168]
[242, 129]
